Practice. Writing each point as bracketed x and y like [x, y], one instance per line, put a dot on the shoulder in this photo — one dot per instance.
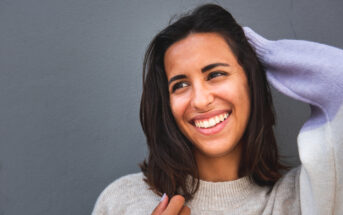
[290, 180]
[124, 183]
[123, 194]
[285, 193]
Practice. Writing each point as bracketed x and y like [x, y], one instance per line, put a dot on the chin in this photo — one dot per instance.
[216, 150]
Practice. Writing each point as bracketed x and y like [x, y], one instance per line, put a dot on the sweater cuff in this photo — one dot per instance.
[259, 43]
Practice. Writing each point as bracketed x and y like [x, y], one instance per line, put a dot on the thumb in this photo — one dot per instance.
[161, 206]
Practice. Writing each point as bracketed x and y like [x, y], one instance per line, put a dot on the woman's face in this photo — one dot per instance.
[209, 93]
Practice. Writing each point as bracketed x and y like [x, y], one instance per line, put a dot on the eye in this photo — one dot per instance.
[216, 74]
[179, 85]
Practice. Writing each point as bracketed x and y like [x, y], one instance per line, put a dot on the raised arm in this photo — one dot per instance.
[312, 73]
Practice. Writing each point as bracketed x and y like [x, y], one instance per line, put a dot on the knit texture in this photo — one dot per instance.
[306, 71]
[131, 195]
[312, 73]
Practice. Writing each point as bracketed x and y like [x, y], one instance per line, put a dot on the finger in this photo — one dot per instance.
[161, 206]
[175, 205]
[185, 211]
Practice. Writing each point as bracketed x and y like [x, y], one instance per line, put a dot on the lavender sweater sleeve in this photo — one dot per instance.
[312, 73]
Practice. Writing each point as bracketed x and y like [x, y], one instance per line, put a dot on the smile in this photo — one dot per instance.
[211, 122]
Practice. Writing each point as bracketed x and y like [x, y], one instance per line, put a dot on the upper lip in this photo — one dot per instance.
[208, 115]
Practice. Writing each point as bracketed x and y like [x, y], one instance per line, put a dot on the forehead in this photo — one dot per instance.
[197, 50]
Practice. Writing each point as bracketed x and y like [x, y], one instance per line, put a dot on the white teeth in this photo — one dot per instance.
[206, 124]
[221, 117]
[212, 121]
[197, 124]
[217, 119]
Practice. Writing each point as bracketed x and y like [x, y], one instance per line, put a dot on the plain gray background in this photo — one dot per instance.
[70, 85]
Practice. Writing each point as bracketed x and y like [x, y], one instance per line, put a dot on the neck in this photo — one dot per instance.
[220, 168]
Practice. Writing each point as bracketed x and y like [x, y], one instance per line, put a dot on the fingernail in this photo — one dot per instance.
[164, 196]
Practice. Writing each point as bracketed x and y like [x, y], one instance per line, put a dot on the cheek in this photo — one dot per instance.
[244, 103]
[178, 105]
[244, 95]
[237, 94]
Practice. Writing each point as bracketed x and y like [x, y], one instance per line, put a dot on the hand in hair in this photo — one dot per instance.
[174, 207]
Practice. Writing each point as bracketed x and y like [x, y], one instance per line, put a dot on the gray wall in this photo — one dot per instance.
[70, 85]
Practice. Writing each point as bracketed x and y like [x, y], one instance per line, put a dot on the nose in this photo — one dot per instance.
[202, 97]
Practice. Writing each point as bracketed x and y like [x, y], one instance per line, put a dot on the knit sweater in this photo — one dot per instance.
[306, 71]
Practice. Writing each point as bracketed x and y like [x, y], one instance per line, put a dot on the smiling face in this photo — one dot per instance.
[209, 94]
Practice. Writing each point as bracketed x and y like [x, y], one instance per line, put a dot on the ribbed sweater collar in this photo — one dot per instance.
[220, 195]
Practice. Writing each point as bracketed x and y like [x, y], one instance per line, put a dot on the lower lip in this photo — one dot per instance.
[215, 129]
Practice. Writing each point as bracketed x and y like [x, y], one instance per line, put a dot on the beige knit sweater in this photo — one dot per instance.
[131, 195]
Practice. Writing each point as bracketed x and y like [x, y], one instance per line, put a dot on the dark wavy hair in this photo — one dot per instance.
[171, 160]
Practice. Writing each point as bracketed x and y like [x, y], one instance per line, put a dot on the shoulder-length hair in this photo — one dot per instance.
[171, 160]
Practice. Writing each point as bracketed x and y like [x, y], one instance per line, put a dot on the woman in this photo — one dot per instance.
[207, 114]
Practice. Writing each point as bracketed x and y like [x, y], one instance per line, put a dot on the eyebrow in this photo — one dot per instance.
[204, 69]
[176, 77]
[213, 65]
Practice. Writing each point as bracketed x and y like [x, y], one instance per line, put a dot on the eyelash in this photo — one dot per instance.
[216, 74]
[209, 77]
[178, 86]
